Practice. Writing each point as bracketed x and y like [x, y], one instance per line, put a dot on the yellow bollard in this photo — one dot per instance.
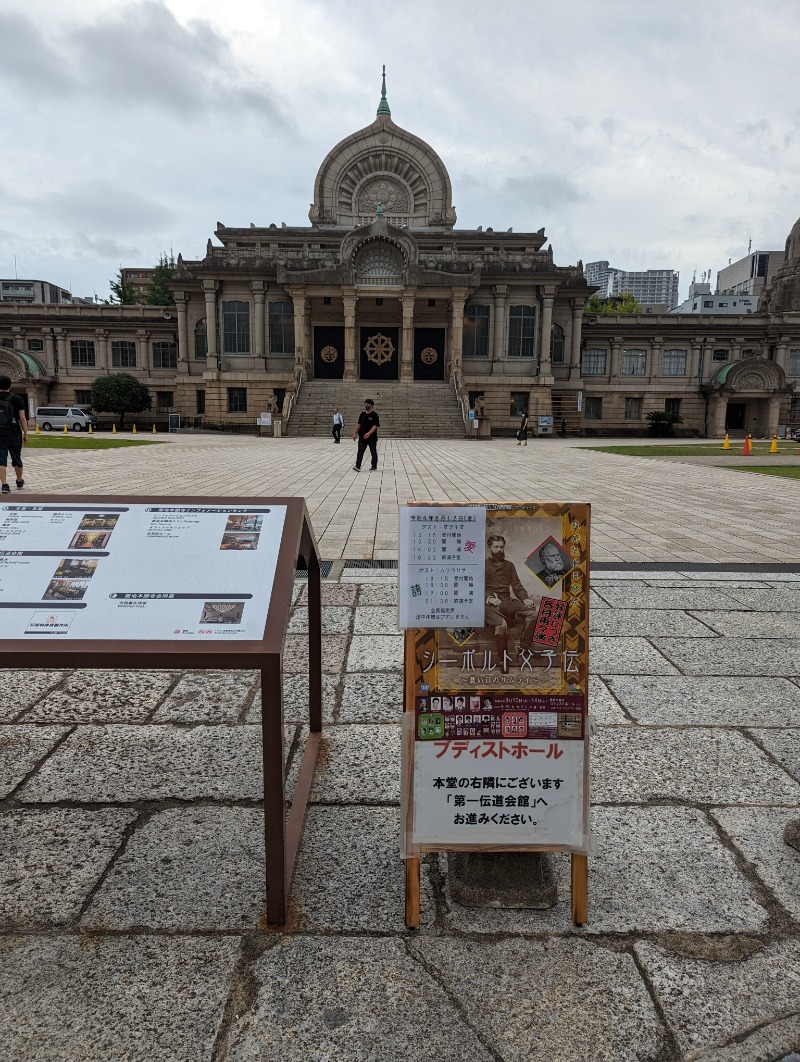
[133, 430]
[37, 432]
[154, 430]
[113, 429]
[91, 432]
[727, 444]
[774, 447]
[65, 430]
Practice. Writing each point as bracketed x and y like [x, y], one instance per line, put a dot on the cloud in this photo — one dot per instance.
[104, 207]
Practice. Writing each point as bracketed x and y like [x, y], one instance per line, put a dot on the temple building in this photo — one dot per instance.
[382, 294]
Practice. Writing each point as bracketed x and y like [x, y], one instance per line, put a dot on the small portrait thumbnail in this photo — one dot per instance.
[234, 541]
[475, 703]
[65, 590]
[436, 704]
[222, 612]
[447, 704]
[90, 540]
[75, 568]
[549, 562]
[487, 704]
[244, 524]
[98, 522]
[461, 703]
[422, 704]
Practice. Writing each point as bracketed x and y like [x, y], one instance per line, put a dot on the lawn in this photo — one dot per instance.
[83, 442]
[787, 471]
[714, 449]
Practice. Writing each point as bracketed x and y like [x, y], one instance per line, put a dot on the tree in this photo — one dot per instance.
[123, 293]
[613, 304]
[158, 293]
[120, 393]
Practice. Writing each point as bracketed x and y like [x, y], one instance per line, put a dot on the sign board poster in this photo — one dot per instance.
[496, 743]
[137, 572]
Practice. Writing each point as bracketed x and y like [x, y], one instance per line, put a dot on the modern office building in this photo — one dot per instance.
[39, 292]
[646, 286]
[751, 275]
[701, 300]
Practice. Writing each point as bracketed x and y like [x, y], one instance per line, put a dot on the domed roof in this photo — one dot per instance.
[383, 164]
[783, 295]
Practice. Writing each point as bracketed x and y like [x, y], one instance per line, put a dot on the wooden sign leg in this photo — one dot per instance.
[580, 889]
[412, 892]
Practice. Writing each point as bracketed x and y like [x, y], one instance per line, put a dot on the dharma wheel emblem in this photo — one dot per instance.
[379, 349]
[329, 354]
[429, 355]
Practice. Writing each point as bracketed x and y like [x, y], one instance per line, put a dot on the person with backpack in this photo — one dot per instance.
[13, 432]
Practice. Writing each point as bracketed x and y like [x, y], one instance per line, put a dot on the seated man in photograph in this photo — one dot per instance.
[507, 601]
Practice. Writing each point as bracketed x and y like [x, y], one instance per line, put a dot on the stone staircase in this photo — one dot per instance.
[414, 410]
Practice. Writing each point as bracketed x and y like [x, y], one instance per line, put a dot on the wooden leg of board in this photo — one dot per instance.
[412, 892]
[580, 889]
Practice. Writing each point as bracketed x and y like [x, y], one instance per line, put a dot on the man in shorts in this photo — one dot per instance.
[13, 432]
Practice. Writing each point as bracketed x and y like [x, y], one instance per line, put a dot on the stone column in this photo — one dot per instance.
[654, 366]
[62, 352]
[693, 368]
[49, 350]
[575, 344]
[616, 347]
[259, 301]
[774, 414]
[736, 348]
[143, 359]
[500, 295]
[349, 300]
[782, 352]
[457, 300]
[210, 295]
[545, 368]
[298, 297]
[183, 330]
[407, 362]
[102, 360]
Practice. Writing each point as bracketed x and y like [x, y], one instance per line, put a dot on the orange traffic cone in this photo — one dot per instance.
[747, 449]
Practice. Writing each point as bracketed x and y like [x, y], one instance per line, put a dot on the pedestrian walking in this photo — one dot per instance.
[522, 434]
[367, 434]
[13, 432]
[564, 428]
[338, 424]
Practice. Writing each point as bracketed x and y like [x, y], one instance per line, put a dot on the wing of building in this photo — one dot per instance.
[382, 294]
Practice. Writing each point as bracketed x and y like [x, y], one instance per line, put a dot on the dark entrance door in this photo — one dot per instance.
[328, 352]
[379, 358]
[428, 353]
[735, 416]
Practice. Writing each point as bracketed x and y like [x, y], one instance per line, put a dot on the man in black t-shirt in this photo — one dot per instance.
[367, 434]
[13, 432]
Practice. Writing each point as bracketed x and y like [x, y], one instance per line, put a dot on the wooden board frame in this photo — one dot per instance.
[282, 833]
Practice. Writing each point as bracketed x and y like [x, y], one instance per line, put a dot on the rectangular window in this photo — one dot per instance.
[593, 408]
[521, 325]
[35, 345]
[200, 340]
[7, 343]
[281, 329]
[593, 363]
[633, 409]
[83, 398]
[236, 327]
[720, 355]
[165, 355]
[794, 362]
[673, 363]
[634, 362]
[237, 399]
[519, 402]
[672, 405]
[201, 401]
[165, 400]
[82, 351]
[557, 345]
[476, 331]
[123, 354]
[749, 352]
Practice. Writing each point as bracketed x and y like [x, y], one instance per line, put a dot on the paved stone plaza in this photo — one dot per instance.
[131, 884]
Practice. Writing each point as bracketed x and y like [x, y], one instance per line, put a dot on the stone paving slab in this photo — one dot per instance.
[22, 745]
[699, 766]
[332, 594]
[51, 860]
[636, 622]
[342, 999]
[690, 598]
[376, 620]
[104, 696]
[653, 872]
[29, 687]
[777, 1041]
[784, 599]
[359, 765]
[137, 999]
[708, 1003]
[628, 656]
[375, 652]
[758, 834]
[784, 745]
[197, 870]
[580, 995]
[368, 698]
[336, 619]
[207, 697]
[733, 656]
[680, 700]
[377, 594]
[295, 654]
[748, 624]
[123, 764]
[295, 699]
[603, 705]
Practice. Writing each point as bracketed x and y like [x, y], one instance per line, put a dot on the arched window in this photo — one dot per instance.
[200, 339]
[379, 263]
[557, 345]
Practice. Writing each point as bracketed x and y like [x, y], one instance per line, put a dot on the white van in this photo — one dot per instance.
[55, 417]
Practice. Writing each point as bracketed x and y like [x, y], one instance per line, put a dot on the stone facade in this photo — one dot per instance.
[382, 286]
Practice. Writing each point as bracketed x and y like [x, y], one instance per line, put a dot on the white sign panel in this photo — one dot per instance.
[442, 565]
[503, 792]
[130, 572]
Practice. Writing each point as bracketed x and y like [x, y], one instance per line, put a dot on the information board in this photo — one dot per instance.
[441, 565]
[496, 745]
[166, 572]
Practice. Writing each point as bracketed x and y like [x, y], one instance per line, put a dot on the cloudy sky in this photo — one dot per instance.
[654, 135]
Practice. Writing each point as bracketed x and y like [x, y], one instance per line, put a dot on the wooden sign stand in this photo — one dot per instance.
[282, 834]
